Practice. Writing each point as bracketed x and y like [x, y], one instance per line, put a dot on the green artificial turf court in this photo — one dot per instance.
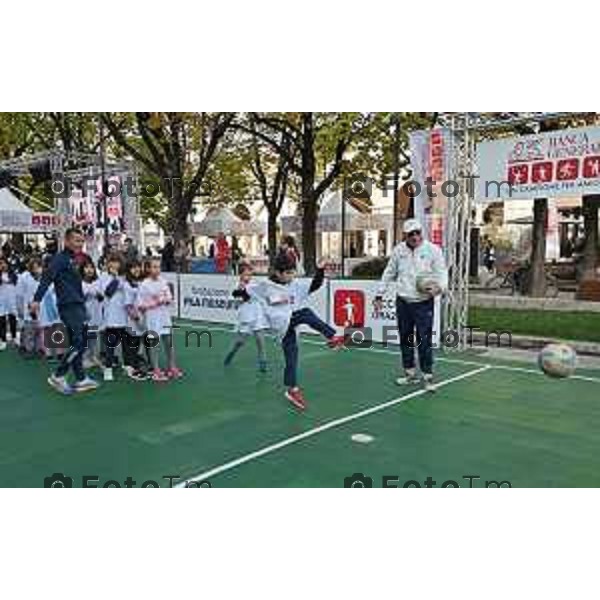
[500, 421]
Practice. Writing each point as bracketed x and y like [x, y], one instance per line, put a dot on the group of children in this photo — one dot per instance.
[277, 304]
[127, 301]
[128, 314]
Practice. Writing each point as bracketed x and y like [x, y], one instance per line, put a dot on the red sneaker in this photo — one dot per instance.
[337, 342]
[295, 396]
[174, 373]
[159, 376]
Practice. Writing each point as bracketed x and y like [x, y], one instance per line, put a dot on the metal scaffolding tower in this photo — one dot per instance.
[466, 129]
[76, 166]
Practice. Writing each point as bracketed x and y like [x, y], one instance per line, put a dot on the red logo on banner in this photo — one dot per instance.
[436, 157]
[349, 308]
[567, 170]
[518, 174]
[436, 138]
[591, 167]
[542, 172]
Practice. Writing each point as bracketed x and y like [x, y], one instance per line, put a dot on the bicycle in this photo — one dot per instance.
[515, 278]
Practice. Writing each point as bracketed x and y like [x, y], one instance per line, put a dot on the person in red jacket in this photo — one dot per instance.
[222, 254]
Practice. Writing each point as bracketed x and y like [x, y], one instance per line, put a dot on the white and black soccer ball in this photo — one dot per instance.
[558, 361]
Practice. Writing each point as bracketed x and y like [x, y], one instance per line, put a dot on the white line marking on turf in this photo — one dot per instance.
[534, 372]
[325, 427]
[457, 361]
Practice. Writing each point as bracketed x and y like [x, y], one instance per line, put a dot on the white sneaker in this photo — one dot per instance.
[108, 375]
[428, 384]
[60, 385]
[2, 346]
[85, 385]
[410, 378]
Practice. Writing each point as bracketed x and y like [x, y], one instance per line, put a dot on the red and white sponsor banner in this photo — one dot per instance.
[208, 298]
[23, 222]
[557, 163]
[430, 160]
[353, 305]
[45, 221]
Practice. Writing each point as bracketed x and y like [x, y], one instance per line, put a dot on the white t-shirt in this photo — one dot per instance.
[48, 311]
[158, 318]
[115, 314]
[8, 296]
[279, 301]
[137, 327]
[251, 316]
[93, 306]
[26, 289]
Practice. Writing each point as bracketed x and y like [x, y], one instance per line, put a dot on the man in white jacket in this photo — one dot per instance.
[418, 272]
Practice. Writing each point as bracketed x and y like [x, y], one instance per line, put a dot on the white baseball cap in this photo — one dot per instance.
[412, 225]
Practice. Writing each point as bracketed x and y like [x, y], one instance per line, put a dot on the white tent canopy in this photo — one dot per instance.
[330, 217]
[217, 220]
[14, 215]
[333, 207]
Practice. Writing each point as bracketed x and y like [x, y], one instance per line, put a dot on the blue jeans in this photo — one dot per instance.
[419, 316]
[74, 317]
[304, 316]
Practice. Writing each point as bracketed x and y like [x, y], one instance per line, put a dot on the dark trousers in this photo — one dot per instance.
[11, 321]
[131, 351]
[304, 316]
[416, 316]
[73, 317]
[113, 338]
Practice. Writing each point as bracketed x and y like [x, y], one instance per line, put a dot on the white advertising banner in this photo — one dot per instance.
[208, 298]
[557, 163]
[352, 305]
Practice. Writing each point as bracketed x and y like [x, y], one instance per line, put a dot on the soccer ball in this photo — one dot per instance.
[558, 360]
[426, 282]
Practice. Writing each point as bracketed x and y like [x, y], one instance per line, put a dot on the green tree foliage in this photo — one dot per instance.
[175, 150]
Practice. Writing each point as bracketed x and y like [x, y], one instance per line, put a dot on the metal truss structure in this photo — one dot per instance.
[75, 167]
[466, 129]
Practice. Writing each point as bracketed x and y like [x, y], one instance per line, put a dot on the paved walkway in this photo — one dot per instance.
[526, 303]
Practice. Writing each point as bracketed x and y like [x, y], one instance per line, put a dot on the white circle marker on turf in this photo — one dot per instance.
[362, 438]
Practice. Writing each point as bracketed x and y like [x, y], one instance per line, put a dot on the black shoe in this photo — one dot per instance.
[136, 374]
